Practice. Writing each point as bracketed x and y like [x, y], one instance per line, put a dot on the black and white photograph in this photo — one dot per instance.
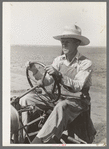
[54, 74]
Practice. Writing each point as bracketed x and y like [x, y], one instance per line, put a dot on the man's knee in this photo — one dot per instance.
[23, 100]
[29, 99]
[62, 104]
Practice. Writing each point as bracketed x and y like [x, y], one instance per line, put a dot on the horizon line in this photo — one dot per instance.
[49, 45]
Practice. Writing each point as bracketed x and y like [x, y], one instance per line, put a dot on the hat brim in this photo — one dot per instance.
[84, 40]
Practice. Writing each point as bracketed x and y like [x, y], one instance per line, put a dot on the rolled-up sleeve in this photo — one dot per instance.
[83, 75]
[49, 79]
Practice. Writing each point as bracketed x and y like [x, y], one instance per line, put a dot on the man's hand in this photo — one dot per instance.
[51, 70]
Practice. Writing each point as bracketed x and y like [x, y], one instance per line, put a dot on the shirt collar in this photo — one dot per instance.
[76, 56]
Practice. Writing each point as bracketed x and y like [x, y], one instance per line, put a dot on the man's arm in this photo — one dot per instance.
[82, 76]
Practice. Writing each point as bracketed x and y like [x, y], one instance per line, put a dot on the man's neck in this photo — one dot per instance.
[70, 56]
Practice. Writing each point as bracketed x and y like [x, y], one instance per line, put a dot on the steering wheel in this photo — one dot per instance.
[52, 92]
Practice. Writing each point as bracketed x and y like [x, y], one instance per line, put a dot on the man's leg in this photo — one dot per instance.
[63, 113]
[31, 99]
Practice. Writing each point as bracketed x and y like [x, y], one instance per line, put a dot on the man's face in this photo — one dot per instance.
[69, 45]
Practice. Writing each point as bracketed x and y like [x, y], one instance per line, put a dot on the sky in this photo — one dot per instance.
[35, 23]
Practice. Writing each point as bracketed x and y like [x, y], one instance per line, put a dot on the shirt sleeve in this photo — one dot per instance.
[80, 79]
[56, 63]
[49, 79]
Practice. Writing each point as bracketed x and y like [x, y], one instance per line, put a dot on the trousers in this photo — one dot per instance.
[63, 113]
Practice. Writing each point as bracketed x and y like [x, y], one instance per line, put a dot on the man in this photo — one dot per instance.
[75, 71]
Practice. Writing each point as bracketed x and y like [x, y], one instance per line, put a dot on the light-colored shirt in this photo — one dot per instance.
[77, 73]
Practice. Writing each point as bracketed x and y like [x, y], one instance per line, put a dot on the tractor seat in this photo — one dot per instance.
[83, 127]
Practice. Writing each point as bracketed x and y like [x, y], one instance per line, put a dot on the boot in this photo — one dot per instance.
[37, 141]
[53, 140]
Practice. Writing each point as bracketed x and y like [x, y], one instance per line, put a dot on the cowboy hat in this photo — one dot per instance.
[73, 32]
